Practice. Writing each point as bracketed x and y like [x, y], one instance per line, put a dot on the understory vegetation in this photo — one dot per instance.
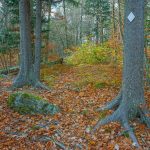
[74, 75]
[90, 53]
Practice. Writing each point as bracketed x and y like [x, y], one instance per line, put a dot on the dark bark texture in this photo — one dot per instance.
[130, 101]
[25, 44]
[29, 73]
[38, 40]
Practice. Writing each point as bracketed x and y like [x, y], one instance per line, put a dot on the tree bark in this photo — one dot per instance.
[38, 40]
[113, 18]
[81, 21]
[66, 28]
[120, 20]
[130, 102]
[97, 29]
[29, 73]
[101, 30]
[25, 44]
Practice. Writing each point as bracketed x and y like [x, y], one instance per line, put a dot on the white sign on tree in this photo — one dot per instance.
[131, 17]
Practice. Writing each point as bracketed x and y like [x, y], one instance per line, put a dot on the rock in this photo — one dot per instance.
[116, 147]
[88, 129]
[25, 103]
[7, 128]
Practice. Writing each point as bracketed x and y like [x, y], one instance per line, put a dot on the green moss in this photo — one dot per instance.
[11, 103]
[85, 112]
[25, 103]
[126, 134]
[100, 85]
[30, 96]
[1, 77]
[102, 114]
[11, 99]
[24, 110]
[13, 96]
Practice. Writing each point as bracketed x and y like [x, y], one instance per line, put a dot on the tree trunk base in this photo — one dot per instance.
[121, 114]
[19, 83]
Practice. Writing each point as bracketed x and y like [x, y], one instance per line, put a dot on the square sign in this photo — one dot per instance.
[131, 17]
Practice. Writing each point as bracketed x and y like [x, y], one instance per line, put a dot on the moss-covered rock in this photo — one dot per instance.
[25, 103]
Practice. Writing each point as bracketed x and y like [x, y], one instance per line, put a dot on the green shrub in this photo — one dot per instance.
[90, 53]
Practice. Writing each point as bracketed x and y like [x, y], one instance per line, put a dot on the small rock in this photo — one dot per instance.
[113, 132]
[134, 144]
[116, 147]
[7, 128]
[73, 138]
[88, 129]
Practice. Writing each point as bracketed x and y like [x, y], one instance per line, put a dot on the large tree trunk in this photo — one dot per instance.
[130, 102]
[25, 44]
[37, 60]
[29, 73]
[46, 55]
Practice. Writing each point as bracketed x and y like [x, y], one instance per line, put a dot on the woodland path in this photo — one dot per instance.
[78, 96]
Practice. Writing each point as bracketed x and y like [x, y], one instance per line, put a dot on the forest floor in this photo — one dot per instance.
[78, 91]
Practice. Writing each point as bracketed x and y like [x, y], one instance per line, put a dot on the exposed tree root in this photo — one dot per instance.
[121, 115]
[37, 84]
[127, 127]
[108, 119]
[144, 116]
[18, 84]
[113, 104]
[42, 86]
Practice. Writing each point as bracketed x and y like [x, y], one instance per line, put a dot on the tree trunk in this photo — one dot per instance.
[120, 20]
[101, 29]
[113, 18]
[81, 21]
[49, 18]
[25, 44]
[130, 101]
[38, 40]
[97, 29]
[29, 74]
[66, 28]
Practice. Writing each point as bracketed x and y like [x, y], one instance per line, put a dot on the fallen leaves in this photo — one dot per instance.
[71, 127]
